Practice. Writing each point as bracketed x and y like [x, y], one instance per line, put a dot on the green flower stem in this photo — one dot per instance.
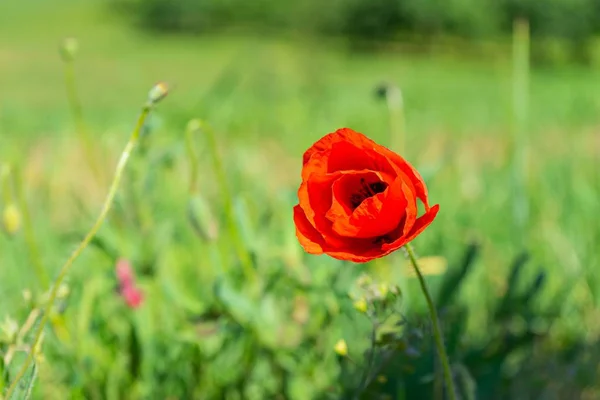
[84, 243]
[437, 333]
[28, 230]
[227, 199]
[76, 111]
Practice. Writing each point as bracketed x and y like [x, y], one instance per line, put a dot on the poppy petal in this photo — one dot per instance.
[308, 236]
[320, 199]
[346, 156]
[412, 174]
[410, 210]
[421, 223]
[352, 256]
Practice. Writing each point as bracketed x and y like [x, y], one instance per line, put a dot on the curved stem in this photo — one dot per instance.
[437, 332]
[84, 243]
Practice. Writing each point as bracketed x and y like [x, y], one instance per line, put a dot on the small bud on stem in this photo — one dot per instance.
[158, 92]
[341, 348]
[68, 49]
[11, 219]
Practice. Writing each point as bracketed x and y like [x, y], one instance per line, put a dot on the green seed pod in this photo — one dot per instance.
[11, 219]
[201, 218]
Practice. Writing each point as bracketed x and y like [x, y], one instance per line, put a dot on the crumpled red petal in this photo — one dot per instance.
[375, 216]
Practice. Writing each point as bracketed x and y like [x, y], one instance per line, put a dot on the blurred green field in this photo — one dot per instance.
[268, 99]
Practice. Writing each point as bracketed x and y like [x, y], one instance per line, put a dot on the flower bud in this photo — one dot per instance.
[158, 92]
[194, 125]
[363, 280]
[361, 305]
[11, 219]
[394, 97]
[341, 348]
[8, 330]
[390, 92]
[27, 295]
[63, 291]
[383, 289]
[68, 49]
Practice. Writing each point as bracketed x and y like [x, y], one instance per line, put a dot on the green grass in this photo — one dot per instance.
[268, 100]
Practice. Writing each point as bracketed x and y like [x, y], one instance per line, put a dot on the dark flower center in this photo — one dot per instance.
[366, 190]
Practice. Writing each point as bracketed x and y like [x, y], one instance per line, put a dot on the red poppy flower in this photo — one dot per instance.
[358, 200]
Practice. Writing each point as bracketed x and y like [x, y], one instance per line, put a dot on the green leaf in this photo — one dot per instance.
[238, 306]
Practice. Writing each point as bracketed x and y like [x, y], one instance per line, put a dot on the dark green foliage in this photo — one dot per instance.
[513, 350]
[568, 22]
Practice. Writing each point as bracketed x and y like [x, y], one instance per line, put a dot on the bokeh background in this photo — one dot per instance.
[496, 102]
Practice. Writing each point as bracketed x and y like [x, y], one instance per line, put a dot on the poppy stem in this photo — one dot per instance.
[84, 243]
[437, 332]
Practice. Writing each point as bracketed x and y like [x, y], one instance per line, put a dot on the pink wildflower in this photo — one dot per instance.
[133, 296]
[124, 272]
[128, 290]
